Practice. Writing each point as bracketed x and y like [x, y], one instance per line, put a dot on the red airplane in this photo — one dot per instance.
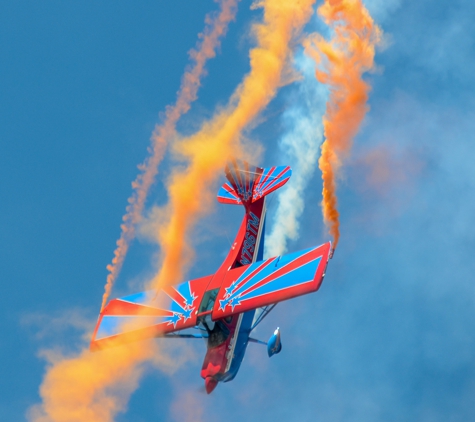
[226, 306]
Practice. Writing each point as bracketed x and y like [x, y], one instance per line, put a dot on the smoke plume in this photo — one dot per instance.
[216, 27]
[95, 387]
[341, 63]
[91, 386]
[298, 148]
[190, 194]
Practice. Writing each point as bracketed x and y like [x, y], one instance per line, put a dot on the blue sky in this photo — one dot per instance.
[388, 337]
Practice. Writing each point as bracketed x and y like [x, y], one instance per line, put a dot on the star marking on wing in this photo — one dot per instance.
[230, 289]
[192, 299]
[174, 319]
[235, 302]
[223, 303]
[187, 313]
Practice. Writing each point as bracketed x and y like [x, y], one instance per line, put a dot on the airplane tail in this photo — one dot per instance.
[247, 184]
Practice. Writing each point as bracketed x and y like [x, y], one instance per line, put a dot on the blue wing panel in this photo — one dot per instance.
[115, 325]
[150, 313]
[270, 281]
[142, 298]
[301, 275]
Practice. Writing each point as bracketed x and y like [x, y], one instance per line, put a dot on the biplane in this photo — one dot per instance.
[225, 307]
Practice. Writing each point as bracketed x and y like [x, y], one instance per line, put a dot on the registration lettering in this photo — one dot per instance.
[249, 244]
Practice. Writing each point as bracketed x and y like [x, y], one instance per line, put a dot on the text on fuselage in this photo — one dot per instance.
[249, 243]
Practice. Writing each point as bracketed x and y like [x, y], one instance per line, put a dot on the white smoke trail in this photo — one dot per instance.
[380, 10]
[299, 148]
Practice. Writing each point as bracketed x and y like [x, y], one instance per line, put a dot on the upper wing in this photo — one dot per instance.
[149, 314]
[174, 308]
[270, 281]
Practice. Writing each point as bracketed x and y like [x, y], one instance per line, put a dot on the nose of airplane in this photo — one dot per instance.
[210, 384]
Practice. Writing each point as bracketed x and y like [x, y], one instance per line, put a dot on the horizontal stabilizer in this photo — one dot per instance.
[273, 280]
[272, 178]
[247, 184]
[227, 195]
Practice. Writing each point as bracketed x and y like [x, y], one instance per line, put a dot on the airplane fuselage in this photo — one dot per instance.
[228, 337]
[231, 302]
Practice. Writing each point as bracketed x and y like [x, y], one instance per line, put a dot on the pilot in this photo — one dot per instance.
[216, 335]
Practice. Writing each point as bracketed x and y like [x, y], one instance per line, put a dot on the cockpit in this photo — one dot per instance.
[216, 335]
[217, 331]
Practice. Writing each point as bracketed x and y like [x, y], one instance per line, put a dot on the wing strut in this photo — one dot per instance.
[177, 335]
[255, 340]
[203, 334]
[265, 312]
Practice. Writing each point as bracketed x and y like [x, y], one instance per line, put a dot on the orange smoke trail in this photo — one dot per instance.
[91, 387]
[190, 194]
[341, 63]
[191, 81]
[95, 387]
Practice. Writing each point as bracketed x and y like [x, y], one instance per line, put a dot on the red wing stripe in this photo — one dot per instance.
[270, 279]
[119, 307]
[280, 290]
[296, 263]
[175, 295]
[255, 271]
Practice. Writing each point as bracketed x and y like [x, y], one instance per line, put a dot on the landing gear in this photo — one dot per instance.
[274, 345]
